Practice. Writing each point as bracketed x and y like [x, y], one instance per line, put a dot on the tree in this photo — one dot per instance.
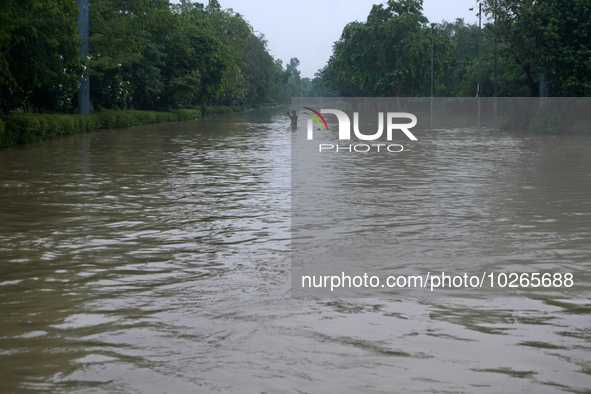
[114, 44]
[281, 76]
[39, 62]
[549, 36]
[234, 33]
[294, 80]
[464, 39]
[258, 71]
[388, 55]
[462, 77]
[316, 88]
[344, 71]
[153, 25]
[147, 54]
[517, 29]
[566, 46]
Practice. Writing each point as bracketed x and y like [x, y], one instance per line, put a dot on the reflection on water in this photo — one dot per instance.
[156, 259]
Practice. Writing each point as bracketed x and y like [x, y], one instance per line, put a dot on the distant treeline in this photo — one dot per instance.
[144, 54]
[152, 55]
[390, 53]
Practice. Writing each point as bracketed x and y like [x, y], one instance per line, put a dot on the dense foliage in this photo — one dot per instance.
[39, 62]
[143, 54]
[546, 36]
[390, 53]
[153, 55]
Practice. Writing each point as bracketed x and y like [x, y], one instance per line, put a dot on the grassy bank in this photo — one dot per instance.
[26, 128]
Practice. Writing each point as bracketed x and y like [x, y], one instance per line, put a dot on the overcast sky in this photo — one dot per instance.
[307, 29]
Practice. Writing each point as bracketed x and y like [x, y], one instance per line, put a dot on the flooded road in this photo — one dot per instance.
[157, 259]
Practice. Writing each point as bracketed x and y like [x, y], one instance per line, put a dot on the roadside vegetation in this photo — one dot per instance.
[389, 54]
[151, 55]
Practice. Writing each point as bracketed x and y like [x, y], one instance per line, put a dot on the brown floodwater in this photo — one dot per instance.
[157, 259]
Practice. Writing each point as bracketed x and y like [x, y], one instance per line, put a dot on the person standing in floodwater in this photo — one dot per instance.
[294, 118]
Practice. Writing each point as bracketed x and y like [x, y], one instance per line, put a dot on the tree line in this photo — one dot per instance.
[390, 53]
[152, 55]
[143, 54]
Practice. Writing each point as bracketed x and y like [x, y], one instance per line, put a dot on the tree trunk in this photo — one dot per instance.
[532, 84]
[397, 92]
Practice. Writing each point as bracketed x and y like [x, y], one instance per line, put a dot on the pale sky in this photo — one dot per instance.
[307, 29]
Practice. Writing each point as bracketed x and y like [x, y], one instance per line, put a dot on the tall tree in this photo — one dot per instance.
[518, 31]
[549, 36]
[258, 71]
[153, 25]
[389, 54]
[114, 44]
[565, 45]
[39, 62]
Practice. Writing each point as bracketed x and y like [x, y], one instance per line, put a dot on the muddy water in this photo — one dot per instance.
[156, 259]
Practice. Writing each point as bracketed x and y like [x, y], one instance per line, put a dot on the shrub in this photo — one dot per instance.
[26, 128]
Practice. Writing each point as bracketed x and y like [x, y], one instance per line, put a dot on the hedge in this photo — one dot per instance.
[26, 128]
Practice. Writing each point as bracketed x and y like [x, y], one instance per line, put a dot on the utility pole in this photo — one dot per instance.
[84, 89]
[496, 39]
[432, 44]
[479, 51]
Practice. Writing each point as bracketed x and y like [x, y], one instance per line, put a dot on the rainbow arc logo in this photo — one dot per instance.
[316, 118]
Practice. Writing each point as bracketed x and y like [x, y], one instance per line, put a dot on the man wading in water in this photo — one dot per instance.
[294, 118]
